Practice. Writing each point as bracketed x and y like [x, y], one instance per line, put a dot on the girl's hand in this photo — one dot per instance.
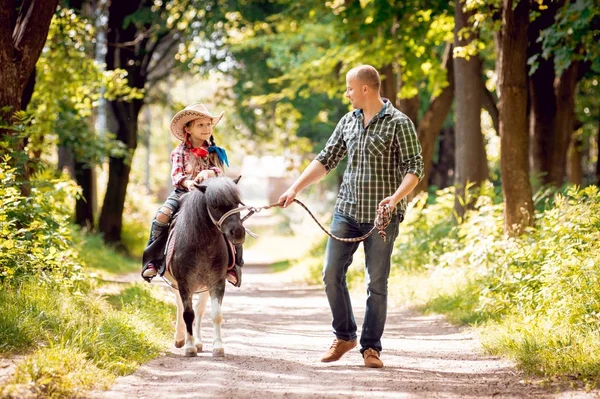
[205, 174]
[190, 185]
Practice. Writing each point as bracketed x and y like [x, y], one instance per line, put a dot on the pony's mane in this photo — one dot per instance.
[222, 191]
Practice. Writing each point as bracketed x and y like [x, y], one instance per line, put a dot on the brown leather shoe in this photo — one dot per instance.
[337, 350]
[371, 357]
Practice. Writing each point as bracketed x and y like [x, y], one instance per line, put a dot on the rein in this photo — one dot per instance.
[382, 220]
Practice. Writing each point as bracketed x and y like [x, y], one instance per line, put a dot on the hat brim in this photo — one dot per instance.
[184, 116]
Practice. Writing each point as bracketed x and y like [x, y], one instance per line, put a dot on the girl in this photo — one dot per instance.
[197, 158]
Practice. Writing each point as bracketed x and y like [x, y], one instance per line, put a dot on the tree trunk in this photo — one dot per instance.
[147, 138]
[565, 87]
[542, 119]
[542, 97]
[124, 51]
[598, 152]
[388, 83]
[575, 162]
[442, 172]
[471, 160]
[111, 217]
[518, 210]
[84, 207]
[23, 30]
[23, 33]
[433, 119]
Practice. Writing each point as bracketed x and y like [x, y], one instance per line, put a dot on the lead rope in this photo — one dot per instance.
[382, 221]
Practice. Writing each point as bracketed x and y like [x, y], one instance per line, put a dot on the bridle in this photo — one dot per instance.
[219, 223]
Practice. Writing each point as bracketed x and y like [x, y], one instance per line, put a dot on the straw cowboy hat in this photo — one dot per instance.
[189, 113]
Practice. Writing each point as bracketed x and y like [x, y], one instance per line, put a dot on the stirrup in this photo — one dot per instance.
[235, 278]
[149, 278]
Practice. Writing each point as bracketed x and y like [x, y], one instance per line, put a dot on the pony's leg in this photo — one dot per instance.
[188, 318]
[200, 308]
[179, 323]
[216, 297]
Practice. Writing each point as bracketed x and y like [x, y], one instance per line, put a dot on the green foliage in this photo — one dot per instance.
[34, 231]
[62, 107]
[574, 35]
[291, 58]
[539, 293]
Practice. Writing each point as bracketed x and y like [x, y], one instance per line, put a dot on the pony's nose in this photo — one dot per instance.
[237, 232]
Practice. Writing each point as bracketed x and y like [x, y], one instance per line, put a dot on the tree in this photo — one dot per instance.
[471, 159]
[542, 96]
[143, 38]
[23, 29]
[564, 36]
[433, 119]
[514, 138]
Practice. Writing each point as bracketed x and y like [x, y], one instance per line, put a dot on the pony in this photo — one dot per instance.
[198, 257]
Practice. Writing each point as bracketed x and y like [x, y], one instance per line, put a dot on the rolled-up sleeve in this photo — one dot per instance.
[335, 148]
[410, 148]
[177, 168]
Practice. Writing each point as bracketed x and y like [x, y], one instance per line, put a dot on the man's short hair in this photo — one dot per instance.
[367, 75]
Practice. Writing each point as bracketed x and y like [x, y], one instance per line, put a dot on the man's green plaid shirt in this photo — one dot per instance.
[378, 159]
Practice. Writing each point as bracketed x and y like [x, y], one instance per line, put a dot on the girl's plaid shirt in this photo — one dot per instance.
[185, 165]
[379, 157]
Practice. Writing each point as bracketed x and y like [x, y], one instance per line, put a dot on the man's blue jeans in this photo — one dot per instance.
[338, 258]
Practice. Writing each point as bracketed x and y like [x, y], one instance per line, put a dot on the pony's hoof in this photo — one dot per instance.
[191, 352]
[219, 352]
[199, 347]
[179, 344]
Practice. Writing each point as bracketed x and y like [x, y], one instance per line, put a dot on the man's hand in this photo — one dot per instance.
[287, 197]
[205, 174]
[389, 201]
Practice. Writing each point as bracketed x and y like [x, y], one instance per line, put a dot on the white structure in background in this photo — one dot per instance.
[263, 179]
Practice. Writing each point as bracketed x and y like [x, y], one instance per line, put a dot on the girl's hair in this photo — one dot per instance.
[215, 160]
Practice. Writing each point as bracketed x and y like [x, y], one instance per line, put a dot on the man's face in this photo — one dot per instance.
[355, 92]
[201, 129]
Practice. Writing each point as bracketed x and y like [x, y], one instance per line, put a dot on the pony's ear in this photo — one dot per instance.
[237, 179]
[200, 187]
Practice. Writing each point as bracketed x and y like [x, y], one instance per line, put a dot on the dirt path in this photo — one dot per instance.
[274, 334]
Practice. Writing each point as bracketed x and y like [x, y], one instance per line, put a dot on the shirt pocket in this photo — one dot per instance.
[351, 140]
[350, 137]
[379, 144]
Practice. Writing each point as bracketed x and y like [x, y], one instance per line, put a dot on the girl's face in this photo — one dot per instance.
[200, 129]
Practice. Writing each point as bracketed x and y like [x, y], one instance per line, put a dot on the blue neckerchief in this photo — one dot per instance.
[220, 153]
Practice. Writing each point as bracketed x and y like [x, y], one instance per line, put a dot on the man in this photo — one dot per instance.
[384, 166]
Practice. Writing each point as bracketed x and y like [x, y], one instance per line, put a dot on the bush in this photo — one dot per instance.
[540, 293]
[34, 230]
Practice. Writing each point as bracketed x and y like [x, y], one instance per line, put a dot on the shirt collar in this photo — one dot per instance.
[385, 110]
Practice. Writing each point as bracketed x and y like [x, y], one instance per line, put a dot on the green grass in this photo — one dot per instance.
[56, 372]
[543, 347]
[77, 340]
[98, 258]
